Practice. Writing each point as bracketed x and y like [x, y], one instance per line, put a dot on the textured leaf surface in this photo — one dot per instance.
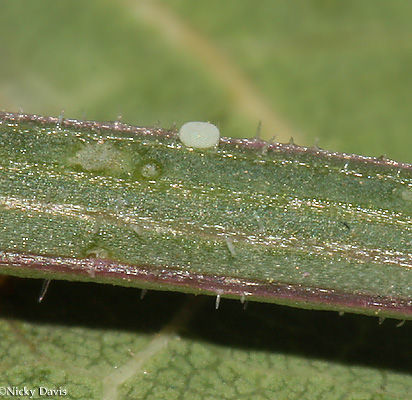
[336, 71]
[102, 342]
[134, 206]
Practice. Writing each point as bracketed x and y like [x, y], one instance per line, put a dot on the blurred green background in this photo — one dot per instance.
[335, 72]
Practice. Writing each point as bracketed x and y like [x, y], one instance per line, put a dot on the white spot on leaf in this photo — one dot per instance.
[199, 135]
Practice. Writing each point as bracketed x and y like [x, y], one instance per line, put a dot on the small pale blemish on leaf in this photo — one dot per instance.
[143, 294]
[403, 193]
[100, 157]
[400, 324]
[406, 194]
[261, 226]
[136, 229]
[150, 169]
[381, 320]
[97, 252]
[230, 246]
[199, 135]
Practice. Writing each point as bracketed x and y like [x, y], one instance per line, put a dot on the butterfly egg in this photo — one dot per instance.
[199, 135]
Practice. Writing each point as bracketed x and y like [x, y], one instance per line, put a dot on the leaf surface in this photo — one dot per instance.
[334, 71]
[102, 342]
[248, 219]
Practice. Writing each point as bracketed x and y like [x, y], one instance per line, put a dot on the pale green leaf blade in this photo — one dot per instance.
[104, 343]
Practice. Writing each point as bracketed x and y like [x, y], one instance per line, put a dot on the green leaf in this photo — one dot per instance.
[101, 342]
[331, 70]
[247, 219]
[334, 71]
